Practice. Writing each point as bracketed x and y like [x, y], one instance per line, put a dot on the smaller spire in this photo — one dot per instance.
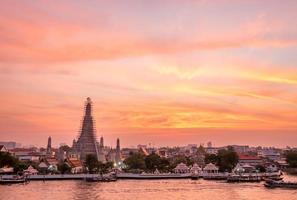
[101, 142]
[118, 143]
[49, 145]
[118, 153]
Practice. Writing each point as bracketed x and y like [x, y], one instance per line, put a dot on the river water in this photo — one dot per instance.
[145, 189]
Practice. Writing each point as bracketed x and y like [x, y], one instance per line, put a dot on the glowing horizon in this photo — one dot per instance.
[165, 72]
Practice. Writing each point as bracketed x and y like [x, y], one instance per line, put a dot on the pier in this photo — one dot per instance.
[85, 176]
[206, 176]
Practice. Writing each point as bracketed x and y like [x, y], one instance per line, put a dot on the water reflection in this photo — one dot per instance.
[150, 190]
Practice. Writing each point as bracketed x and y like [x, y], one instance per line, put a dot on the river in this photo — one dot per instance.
[145, 189]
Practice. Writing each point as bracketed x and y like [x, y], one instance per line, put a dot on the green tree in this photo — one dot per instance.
[201, 150]
[189, 161]
[64, 168]
[65, 148]
[6, 159]
[211, 158]
[178, 159]
[260, 168]
[104, 168]
[227, 159]
[292, 159]
[182, 159]
[164, 165]
[135, 161]
[109, 166]
[92, 163]
[152, 162]
[20, 166]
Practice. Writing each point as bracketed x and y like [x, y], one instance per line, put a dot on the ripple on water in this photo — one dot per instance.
[141, 189]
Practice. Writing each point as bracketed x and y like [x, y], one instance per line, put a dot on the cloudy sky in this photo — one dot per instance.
[162, 72]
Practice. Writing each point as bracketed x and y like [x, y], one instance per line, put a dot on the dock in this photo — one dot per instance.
[56, 177]
[206, 176]
[90, 176]
[153, 176]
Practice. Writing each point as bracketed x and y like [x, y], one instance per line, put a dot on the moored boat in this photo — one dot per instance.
[13, 180]
[244, 178]
[217, 176]
[153, 176]
[100, 178]
[276, 178]
[195, 176]
[280, 184]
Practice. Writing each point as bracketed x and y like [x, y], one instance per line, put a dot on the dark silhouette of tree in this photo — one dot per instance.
[260, 168]
[135, 161]
[181, 159]
[211, 158]
[92, 163]
[6, 159]
[104, 168]
[65, 148]
[291, 158]
[64, 168]
[227, 159]
[152, 162]
[164, 165]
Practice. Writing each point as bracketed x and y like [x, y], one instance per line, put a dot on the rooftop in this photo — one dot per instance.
[248, 157]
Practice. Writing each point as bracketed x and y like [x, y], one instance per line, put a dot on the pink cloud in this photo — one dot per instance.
[43, 37]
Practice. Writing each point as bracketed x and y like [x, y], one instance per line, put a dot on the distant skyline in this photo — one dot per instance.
[132, 139]
[164, 72]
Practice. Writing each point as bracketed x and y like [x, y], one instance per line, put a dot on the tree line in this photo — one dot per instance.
[137, 162]
[226, 160]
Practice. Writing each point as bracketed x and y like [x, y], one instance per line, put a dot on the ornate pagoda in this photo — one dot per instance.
[87, 142]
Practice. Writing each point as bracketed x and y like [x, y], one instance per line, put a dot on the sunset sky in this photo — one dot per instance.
[168, 72]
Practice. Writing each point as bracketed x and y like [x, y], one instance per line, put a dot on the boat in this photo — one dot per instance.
[101, 179]
[244, 178]
[154, 176]
[215, 176]
[280, 184]
[195, 176]
[276, 178]
[13, 180]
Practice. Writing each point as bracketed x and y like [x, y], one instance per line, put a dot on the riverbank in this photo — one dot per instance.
[85, 176]
[219, 176]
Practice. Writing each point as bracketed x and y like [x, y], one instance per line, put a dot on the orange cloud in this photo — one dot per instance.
[148, 73]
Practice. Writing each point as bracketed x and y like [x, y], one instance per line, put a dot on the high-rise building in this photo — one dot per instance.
[87, 142]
